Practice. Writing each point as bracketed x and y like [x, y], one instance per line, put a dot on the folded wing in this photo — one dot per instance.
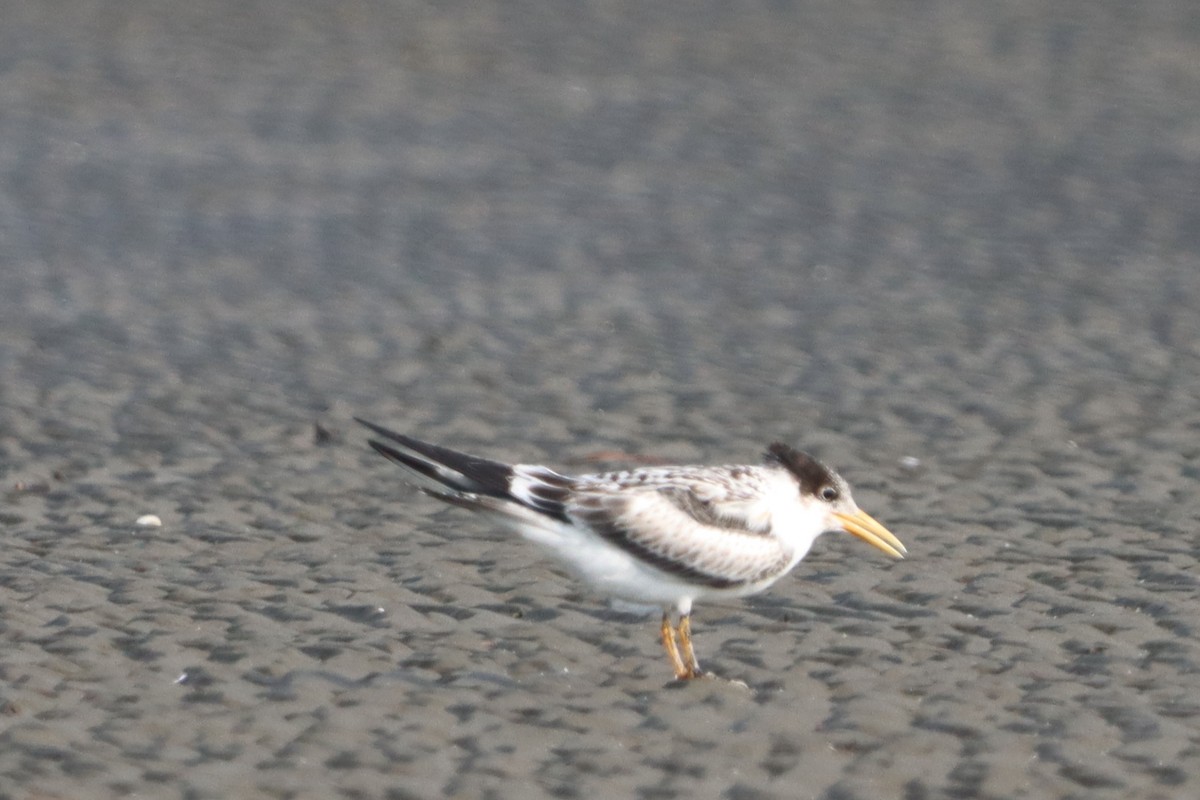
[721, 545]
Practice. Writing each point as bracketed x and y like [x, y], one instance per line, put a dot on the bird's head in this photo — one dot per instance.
[826, 492]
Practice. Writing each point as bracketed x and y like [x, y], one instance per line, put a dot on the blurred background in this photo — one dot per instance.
[951, 248]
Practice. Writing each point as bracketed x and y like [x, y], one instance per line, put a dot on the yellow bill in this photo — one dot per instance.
[865, 527]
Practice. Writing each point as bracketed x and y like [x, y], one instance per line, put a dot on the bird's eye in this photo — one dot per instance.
[829, 494]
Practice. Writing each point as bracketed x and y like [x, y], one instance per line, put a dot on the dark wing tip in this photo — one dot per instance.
[408, 442]
[810, 473]
[405, 460]
[382, 431]
[460, 471]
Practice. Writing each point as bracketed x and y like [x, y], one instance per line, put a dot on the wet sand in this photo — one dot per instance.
[951, 250]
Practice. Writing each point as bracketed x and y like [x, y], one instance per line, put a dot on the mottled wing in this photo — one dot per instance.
[721, 508]
[704, 534]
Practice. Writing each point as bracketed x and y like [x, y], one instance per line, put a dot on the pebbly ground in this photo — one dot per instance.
[953, 249]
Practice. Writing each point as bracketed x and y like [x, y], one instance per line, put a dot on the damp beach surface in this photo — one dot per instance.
[951, 252]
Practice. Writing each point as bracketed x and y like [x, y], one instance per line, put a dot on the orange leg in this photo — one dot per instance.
[682, 672]
[685, 641]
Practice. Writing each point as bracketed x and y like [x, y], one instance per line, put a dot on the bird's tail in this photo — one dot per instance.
[438, 469]
[522, 492]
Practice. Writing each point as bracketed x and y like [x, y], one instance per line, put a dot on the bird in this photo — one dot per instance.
[656, 536]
